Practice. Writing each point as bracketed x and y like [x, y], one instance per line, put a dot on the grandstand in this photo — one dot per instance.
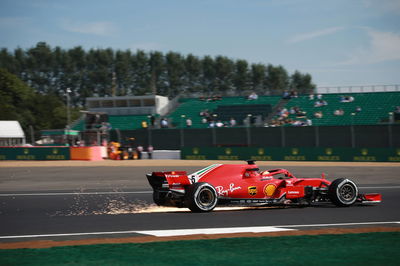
[191, 108]
[375, 108]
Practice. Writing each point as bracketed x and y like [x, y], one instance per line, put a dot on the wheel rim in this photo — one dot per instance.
[205, 198]
[347, 192]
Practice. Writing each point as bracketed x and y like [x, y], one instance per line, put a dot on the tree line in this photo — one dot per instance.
[107, 72]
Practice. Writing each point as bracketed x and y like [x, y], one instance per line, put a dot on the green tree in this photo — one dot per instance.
[241, 76]
[302, 83]
[277, 79]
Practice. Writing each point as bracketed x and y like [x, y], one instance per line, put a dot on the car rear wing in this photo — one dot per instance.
[169, 180]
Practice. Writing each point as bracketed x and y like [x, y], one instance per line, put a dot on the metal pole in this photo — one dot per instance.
[68, 114]
[181, 131]
[32, 135]
[353, 140]
[248, 130]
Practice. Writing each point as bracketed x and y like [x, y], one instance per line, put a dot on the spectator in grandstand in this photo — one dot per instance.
[152, 120]
[308, 122]
[252, 96]
[211, 124]
[318, 114]
[232, 122]
[320, 103]
[358, 109]
[144, 124]
[163, 123]
[397, 110]
[204, 120]
[293, 94]
[219, 124]
[286, 95]
[150, 152]
[346, 99]
[319, 96]
[311, 97]
[189, 122]
[338, 112]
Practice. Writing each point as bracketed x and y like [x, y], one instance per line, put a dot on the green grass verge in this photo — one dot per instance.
[350, 249]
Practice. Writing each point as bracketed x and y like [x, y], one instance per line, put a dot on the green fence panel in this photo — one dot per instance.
[34, 153]
[292, 154]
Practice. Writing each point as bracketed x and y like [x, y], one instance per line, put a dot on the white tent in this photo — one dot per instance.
[11, 133]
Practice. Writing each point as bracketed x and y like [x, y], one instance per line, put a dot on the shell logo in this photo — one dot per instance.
[260, 151]
[269, 190]
[55, 151]
[195, 151]
[328, 151]
[295, 151]
[364, 152]
[26, 151]
[228, 151]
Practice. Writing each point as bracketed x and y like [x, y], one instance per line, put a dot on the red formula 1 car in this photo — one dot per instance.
[245, 185]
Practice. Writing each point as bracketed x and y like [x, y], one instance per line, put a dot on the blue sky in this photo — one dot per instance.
[339, 42]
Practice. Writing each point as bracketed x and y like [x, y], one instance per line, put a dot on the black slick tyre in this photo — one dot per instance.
[201, 197]
[343, 192]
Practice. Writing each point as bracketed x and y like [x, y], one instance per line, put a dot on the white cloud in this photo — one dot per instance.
[146, 46]
[315, 34]
[383, 46]
[384, 6]
[102, 28]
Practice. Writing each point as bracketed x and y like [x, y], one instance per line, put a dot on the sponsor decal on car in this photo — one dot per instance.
[269, 190]
[252, 190]
[225, 192]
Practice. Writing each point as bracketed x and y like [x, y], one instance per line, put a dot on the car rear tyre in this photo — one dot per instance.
[343, 192]
[201, 197]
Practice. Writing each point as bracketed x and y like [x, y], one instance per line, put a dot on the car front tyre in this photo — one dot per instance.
[201, 197]
[343, 192]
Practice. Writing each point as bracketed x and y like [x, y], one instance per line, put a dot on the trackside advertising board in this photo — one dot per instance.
[35, 153]
[292, 154]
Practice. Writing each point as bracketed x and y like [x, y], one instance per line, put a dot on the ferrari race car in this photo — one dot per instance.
[245, 185]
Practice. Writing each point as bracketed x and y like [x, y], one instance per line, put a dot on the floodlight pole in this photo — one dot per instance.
[68, 113]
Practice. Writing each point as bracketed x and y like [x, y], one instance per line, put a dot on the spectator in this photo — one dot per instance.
[358, 109]
[211, 124]
[397, 110]
[232, 122]
[219, 124]
[164, 123]
[139, 150]
[318, 114]
[311, 97]
[293, 94]
[319, 96]
[152, 120]
[150, 152]
[253, 96]
[286, 95]
[144, 124]
[204, 120]
[189, 122]
[338, 112]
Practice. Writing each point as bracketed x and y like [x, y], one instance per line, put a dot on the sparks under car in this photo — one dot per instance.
[245, 185]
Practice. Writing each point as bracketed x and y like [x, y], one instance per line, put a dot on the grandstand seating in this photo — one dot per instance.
[192, 107]
[122, 122]
[375, 108]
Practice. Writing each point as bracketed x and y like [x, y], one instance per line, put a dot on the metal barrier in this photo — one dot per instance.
[357, 136]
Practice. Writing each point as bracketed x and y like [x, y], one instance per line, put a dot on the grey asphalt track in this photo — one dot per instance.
[42, 200]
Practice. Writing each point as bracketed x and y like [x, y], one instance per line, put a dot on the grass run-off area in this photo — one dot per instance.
[350, 249]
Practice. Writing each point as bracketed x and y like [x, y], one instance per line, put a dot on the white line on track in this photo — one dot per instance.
[195, 231]
[387, 187]
[76, 193]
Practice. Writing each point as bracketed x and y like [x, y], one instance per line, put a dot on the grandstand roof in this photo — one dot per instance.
[11, 129]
